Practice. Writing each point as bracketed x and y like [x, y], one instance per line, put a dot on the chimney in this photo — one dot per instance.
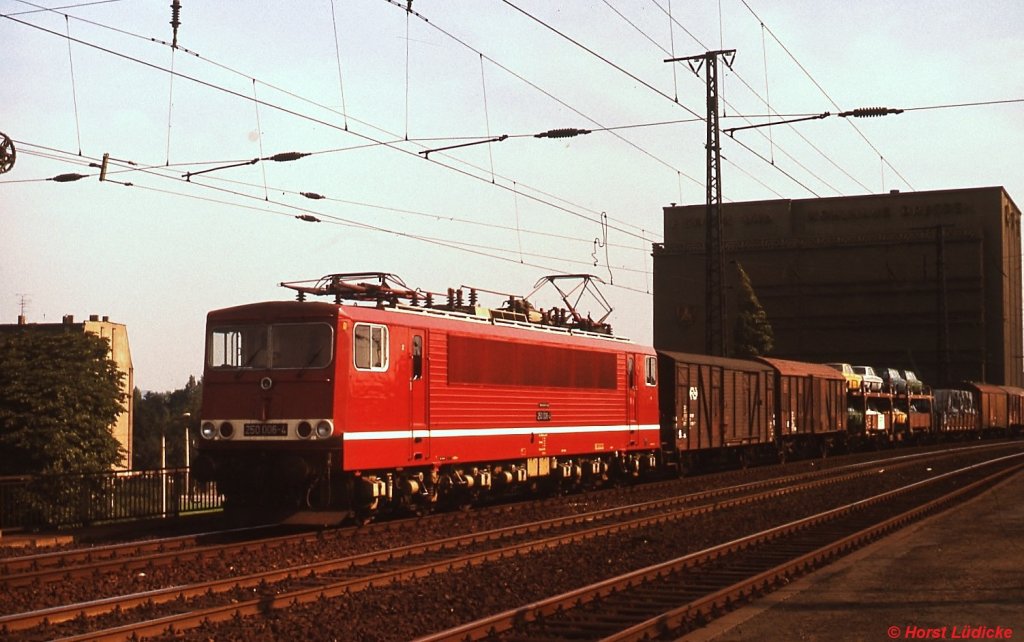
[69, 319]
[94, 317]
[106, 319]
[22, 320]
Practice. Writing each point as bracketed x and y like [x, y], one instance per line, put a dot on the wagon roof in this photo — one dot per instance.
[802, 369]
[984, 387]
[708, 360]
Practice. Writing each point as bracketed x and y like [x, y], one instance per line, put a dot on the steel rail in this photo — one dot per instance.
[705, 607]
[60, 614]
[11, 566]
[326, 588]
[58, 566]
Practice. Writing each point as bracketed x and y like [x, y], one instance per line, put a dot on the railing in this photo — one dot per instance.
[53, 501]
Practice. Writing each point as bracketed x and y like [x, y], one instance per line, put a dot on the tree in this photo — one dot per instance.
[753, 333]
[167, 415]
[59, 396]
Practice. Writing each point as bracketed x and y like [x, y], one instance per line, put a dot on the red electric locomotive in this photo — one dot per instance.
[384, 399]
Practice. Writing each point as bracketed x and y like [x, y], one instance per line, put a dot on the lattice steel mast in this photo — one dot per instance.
[714, 335]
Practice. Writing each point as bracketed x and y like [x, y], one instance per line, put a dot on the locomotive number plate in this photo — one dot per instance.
[265, 430]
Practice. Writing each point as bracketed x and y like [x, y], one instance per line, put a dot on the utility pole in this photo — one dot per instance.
[714, 307]
[942, 303]
[942, 358]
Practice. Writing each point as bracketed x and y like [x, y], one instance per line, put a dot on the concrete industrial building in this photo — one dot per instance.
[120, 353]
[929, 281]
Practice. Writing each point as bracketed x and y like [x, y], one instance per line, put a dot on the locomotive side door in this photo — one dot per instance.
[632, 417]
[418, 379]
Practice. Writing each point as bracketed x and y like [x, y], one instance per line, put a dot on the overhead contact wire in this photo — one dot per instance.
[74, 91]
[337, 53]
[825, 93]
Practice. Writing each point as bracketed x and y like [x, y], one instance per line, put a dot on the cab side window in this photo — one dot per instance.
[417, 357]
[370, 346]
[651, 371]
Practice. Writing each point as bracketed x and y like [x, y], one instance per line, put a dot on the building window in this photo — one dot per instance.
[370, 347]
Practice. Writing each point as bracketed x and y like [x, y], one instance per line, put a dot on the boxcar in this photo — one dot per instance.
[716, 407]
[991, 404]
[810, 406]
[1014, 409]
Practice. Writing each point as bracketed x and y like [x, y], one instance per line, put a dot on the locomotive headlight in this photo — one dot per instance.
[208, 431]
[304, 429]
[324, 429]
[226, 430]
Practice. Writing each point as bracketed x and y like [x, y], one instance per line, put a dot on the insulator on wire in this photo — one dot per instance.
[287, 156]
[67, 178]
[309, 218]
[175, 21]
[312, 195]
[870, 112]
[567, 132]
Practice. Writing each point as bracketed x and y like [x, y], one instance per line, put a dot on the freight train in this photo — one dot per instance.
[391, 398]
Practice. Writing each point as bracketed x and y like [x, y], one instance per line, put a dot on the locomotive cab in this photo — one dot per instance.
[268, 426]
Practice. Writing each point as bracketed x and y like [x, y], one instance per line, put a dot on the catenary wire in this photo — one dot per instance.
[824, 93]
[320, 121]
[529, 192]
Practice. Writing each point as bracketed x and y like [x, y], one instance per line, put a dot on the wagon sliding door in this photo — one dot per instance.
[700, 404]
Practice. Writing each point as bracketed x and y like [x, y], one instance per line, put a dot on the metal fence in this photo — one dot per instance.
[54, 501]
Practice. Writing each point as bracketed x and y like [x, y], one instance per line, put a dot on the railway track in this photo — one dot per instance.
[54, 565]
[64, 565]
[185, 607]
[670, 599]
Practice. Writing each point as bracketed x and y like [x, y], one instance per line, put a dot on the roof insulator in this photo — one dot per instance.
[309, 218]
[312, 195]
[567, 132]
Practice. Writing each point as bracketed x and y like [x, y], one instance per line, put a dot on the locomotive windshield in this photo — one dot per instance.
[278, 346]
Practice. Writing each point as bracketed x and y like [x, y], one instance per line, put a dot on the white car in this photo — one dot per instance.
[872, 382]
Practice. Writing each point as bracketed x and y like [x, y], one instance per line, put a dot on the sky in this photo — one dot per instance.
[372, 93]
